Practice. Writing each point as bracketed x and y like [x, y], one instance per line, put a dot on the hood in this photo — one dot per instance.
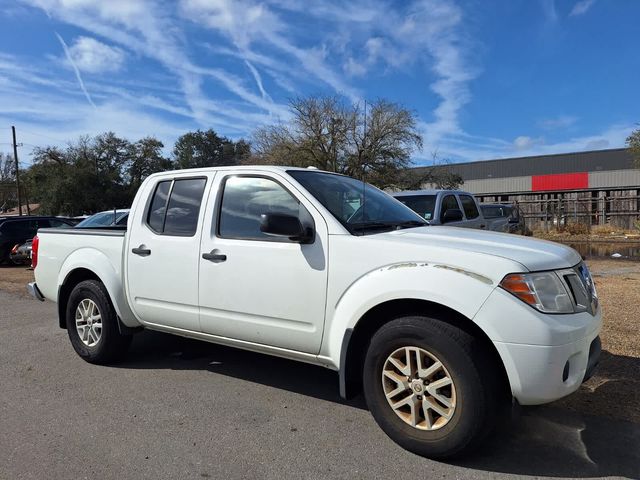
[533, 254]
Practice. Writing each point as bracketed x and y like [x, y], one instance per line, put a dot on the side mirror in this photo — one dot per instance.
[514, 220]
[282, 225]
[452, 215]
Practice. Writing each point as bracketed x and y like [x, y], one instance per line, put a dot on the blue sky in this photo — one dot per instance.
[486, 78]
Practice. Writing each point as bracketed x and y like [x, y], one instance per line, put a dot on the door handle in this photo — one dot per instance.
[214, 257]
[143, 252]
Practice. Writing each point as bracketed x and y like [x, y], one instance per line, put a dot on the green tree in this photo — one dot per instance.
[8, 195]
[207, 149]
[92, 173]
[633, 144]
[146, 158]
[334, 135]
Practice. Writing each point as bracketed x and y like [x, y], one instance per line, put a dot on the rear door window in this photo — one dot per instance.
[175, 206]
[184, 207]
[155, 217]
[469, 207]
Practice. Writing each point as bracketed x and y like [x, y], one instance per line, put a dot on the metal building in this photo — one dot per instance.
[595, 187]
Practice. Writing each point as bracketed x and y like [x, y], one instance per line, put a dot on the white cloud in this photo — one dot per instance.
[559, 122]
[93, 56]
[465, 147]
[526, 143]
[581, 7]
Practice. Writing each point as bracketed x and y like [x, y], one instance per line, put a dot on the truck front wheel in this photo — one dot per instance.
[430, 386]
[92, 324]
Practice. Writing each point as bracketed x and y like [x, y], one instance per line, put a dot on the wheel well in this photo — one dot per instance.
[358, 339]
[73, 278]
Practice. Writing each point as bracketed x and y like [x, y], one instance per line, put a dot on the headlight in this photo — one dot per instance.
[544, 291]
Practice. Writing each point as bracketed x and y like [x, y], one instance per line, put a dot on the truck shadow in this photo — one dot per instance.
[570, 438]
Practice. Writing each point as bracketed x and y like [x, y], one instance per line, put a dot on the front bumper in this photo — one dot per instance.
[540, 374]
[546, 357]
[34, 291]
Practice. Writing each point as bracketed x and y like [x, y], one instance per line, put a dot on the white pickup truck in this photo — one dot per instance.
[440, 327]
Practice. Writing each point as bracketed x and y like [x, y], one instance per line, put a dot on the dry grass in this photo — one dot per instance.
[14, 279]
[613, 392]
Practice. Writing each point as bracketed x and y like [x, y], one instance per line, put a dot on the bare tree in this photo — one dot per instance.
[333, 135]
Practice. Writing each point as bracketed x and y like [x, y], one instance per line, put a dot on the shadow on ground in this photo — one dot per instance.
[552, 441]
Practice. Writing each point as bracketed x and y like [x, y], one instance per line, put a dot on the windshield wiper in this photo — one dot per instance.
[388, 225]
[412, 223]
[373, 226]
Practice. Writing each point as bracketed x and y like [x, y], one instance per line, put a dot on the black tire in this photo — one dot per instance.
[477, 386]
[112, 345]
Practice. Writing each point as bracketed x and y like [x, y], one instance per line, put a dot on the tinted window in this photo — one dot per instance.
[490, 212]
[448, 203]
[184, 207]
[245, 199]
[155, 217]
[423, 205]
[55, 223]
[16, 228]
[469, 207]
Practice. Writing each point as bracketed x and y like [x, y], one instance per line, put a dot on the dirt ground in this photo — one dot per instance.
[614, 391]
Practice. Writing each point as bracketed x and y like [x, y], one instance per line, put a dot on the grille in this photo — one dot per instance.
[582, 288]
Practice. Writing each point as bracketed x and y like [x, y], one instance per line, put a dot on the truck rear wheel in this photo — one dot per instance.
[430, 387]
[92, 324]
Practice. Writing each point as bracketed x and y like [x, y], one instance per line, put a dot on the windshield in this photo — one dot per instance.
[360, 207]
[102, 219]
[423, 205]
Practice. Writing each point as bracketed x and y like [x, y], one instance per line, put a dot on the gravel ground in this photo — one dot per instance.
[178, 408]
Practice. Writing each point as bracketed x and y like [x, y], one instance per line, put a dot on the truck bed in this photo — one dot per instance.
[103, 245]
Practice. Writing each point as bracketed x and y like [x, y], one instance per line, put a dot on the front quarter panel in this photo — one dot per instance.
[461, 290]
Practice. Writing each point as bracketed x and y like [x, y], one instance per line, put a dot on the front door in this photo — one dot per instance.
[258, 288]
[163, 252]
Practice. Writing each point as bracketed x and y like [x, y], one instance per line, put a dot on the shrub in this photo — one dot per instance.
[606, 229]
[577, 229]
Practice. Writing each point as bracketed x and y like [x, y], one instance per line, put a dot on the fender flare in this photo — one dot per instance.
[99, 264]
[442, 284]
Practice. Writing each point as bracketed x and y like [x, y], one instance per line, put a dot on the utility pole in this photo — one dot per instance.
[15, 157]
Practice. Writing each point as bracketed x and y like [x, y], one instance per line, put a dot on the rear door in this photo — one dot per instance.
[473, 217]
[163, 251]
[257, 288]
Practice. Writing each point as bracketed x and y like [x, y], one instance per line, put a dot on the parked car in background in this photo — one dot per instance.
[503, 218]
[21, 254]
[108, 218]
[439, 207]
[17, 230]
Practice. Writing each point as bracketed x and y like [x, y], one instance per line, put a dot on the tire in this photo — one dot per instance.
[89, 303]
[474, 397]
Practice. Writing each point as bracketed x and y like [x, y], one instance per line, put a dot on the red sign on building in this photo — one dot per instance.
[560, 181]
